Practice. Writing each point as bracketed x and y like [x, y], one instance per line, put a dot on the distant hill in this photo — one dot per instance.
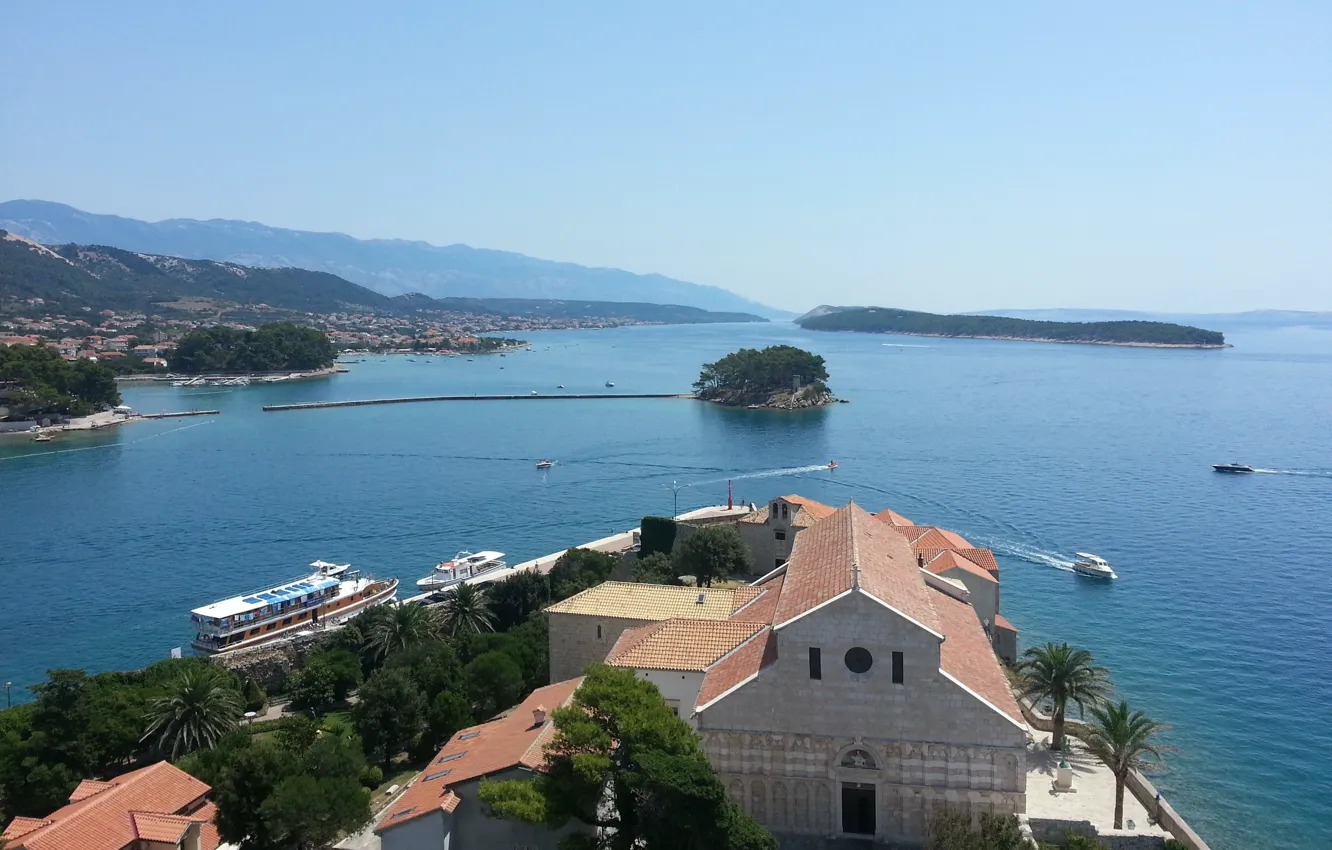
[388, 266]
[887, 320]
[103, 278]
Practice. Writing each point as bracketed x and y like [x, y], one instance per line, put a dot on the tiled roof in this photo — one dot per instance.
[947, 559]
[650, 601]
[514, 739]
[893, 518]
[851, 547]
[738, 667]
[681, 644]
[968, 656]
[762, 609]
[104, 819]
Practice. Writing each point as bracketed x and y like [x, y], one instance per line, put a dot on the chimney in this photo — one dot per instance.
[539, 716]
[920, 560]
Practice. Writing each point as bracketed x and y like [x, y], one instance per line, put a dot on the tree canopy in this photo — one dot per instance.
[275, 347]
[749, 371]
[886, 320]
[620, 760]
[713, 553]
[35, 379]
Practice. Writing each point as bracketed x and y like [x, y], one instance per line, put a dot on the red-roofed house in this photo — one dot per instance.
[159, 807]
[440, 809]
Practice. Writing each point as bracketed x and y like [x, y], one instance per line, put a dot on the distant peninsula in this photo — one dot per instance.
[885, 320]
[780, 377]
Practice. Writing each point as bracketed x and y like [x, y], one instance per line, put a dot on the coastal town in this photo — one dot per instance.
[917, 715]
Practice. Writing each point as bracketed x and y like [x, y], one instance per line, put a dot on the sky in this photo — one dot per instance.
[966, 156]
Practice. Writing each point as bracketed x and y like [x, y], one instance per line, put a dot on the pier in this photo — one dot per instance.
[315, 405]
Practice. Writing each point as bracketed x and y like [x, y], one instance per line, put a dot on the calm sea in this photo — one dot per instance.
[1219, 624]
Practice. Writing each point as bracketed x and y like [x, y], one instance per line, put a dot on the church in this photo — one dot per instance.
[848, 694]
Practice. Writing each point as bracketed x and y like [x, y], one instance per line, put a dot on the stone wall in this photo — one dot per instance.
[269, 665]
[575, 643]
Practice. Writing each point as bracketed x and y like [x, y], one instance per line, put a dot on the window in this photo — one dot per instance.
[780, 534]
[815, 663]
[897, 668]
[858, 659]
[598, 631]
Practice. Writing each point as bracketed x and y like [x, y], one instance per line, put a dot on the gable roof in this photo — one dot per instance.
[107, 815]
[510, 741]
[968, 657]
[652, 601]
[681, 644]
[851, 550]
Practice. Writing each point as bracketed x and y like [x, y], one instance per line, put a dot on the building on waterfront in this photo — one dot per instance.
[441, 810]
[158, 807]
[851, 693]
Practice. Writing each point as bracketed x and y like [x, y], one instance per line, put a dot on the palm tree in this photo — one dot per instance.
[399, 627]
[198, 712]
[467, 609]
[1063, 674]
[1123, 740]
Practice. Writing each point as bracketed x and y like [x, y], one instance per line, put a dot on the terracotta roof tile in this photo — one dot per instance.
[738, 667]
[511, 740]
[851, 546]
[650, 601]
[101, 820]
[968, 656]
[682, 644]
[893, 517]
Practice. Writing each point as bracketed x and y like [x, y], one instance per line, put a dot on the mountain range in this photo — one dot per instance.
[387, 266]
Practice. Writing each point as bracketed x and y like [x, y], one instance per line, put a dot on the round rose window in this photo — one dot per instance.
[858, 659]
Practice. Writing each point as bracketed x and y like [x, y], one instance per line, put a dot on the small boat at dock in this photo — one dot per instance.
[461, 567]
[328, 596]
[1232, 467]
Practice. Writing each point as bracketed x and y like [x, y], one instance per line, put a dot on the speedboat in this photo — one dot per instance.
[832, 464]
[1093, 565]
[1232, 467]
[545, 464]
[461, 567]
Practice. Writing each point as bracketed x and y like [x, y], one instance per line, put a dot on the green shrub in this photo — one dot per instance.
[372, 776]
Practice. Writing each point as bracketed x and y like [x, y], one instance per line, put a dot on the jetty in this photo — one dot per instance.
[316, 405]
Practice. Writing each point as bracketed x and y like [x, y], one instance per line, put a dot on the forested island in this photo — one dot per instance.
[35, 380]
[781, 377]
[275, 347]
[909, 322]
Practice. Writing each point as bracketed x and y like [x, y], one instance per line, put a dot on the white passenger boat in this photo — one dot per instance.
[1093, 565]
[461, 567]
[327, 596]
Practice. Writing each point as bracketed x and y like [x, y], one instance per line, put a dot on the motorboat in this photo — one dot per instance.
[1093, 565]
[545, 464]
[832, 464]
[1232, 467]
[460, 568]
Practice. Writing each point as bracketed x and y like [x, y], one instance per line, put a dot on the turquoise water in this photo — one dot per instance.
[1219, 624]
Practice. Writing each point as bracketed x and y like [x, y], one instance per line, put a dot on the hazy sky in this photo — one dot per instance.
[1173, 156]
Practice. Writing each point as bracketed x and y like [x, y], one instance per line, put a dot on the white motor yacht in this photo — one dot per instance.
[461, 567]
[1093, 565]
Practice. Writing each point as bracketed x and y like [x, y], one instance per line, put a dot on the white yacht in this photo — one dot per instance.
[461, 567]
[330, 594]
[1093, 565]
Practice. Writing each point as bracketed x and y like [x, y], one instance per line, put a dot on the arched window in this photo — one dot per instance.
[860, 759]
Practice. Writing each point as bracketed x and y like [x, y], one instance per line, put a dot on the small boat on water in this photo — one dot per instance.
[545, 464]
[1093, 565]
[1232, 467]
[832, 464]
[328, 596]
[461, 567]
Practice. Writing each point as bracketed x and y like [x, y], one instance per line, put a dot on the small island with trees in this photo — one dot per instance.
[886, 320]
[780, 377]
